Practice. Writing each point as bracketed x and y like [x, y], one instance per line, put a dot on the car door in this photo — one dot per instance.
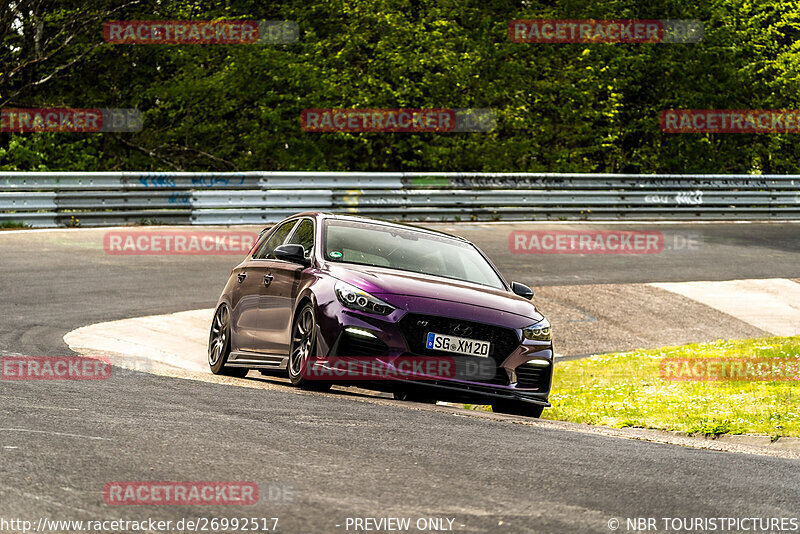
[279, 293]
[246, 313]
[244, 307]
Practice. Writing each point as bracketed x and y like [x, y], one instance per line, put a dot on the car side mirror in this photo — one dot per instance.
[522, 290]
[292, 253]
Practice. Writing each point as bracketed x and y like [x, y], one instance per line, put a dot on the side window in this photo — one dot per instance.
[262, 237]
[277, 237]
[304, 235]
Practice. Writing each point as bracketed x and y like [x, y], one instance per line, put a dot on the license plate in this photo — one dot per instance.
[459, 345]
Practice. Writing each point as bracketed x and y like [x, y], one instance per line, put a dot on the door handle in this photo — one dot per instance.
[241, 277]
[268, 278]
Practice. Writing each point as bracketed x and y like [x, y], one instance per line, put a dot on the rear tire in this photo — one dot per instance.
[517, 408]
[302, 347]
[219, 345]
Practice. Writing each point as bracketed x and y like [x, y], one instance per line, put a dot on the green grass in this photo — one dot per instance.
[626, 390]
[13, 224]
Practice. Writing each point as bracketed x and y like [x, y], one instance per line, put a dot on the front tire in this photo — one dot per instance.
[303, 347]
[517, 408]
[219, 345]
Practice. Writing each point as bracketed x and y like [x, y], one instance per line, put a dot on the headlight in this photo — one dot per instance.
[354, 298]
[539, 331]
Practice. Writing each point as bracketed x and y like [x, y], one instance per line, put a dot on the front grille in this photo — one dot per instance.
[415, 328]
[353, 345]
[533, 377]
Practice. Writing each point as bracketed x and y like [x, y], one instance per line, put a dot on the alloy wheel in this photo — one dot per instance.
[302, 341]
[220, 334]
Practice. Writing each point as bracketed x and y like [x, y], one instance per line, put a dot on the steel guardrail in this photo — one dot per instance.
[263, 197]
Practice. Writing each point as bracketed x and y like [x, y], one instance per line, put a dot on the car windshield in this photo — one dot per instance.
[405, 249]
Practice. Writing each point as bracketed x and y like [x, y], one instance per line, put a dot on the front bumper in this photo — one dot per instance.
[393, 336]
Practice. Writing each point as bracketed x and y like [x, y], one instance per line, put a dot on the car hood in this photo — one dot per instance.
[391, 286]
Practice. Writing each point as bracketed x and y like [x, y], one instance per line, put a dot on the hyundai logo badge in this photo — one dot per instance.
[462, 330]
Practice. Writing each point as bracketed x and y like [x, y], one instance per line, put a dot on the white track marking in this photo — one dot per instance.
[52, 433]
[773, 305]
[175, 340]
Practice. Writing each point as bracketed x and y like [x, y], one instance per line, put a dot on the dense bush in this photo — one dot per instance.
[567, 107]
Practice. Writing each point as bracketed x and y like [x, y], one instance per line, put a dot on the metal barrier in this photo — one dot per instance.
[106, 198]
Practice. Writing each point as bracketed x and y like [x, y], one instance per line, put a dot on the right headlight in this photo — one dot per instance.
[357, 299]
[539, 331]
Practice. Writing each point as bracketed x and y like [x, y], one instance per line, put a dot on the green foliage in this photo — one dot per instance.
[560, 108]
[13, 224]
[712, 427]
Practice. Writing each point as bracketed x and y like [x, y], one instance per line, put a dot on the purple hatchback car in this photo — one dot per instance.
[317, 290]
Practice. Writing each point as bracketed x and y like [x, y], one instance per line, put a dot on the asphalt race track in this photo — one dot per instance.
[320, 459]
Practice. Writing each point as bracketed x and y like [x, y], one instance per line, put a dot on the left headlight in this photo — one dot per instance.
[538, 332]
[357, 299]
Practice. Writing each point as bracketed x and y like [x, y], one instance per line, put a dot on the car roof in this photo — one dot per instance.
[358, 218]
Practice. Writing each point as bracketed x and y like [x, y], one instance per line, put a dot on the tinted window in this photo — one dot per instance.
[304, 235]
[276, 238]
[407, 250]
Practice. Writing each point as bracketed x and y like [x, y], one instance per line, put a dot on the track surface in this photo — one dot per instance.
[62, 441]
